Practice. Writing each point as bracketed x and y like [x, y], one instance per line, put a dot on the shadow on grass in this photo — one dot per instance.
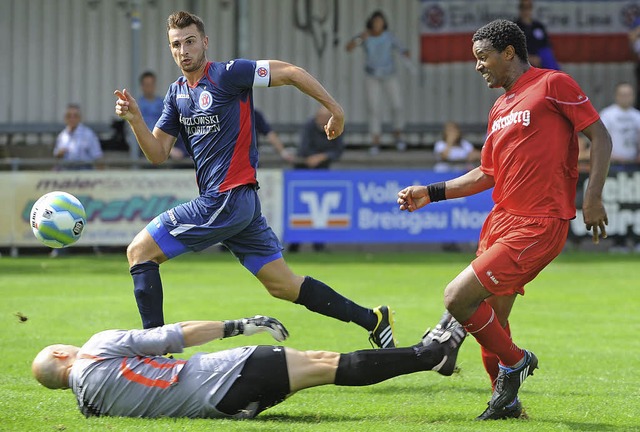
[581, 426]
[313, 418]
[391, 389]
[309, 418]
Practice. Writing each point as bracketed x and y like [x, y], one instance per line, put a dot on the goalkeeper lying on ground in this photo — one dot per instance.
[123, 373]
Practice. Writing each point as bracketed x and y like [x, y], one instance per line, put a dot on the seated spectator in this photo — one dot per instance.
[77, 143]
[622, 121]
[453, 151]
[264, 128]
[316, 152]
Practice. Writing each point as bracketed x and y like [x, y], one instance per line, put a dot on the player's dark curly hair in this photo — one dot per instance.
[182, 19]
[502, 33]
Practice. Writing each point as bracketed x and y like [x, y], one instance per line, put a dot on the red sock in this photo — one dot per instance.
[484, 326]
[490, 361]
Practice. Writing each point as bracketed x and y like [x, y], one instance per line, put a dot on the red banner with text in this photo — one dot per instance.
[580, 31]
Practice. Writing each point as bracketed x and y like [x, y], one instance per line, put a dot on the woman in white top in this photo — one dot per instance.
[452, 150]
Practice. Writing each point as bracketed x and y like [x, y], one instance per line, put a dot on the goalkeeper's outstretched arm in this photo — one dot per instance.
[200, 332]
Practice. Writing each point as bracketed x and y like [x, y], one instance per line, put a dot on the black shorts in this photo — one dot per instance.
[264, 380]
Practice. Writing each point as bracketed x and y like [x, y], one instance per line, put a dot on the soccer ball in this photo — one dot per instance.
[58, 219]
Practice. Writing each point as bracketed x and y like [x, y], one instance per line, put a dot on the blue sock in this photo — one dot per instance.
[319, 297]
[147, 288]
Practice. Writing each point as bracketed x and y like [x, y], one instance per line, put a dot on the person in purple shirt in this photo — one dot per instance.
[211, 108]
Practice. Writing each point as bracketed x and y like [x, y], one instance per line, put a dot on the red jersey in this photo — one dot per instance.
[531, 148]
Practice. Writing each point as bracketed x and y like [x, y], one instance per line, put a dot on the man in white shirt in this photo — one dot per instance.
[77, 142]
[622, 121]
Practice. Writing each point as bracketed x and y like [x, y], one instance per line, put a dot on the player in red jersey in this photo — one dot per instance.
[530, 158]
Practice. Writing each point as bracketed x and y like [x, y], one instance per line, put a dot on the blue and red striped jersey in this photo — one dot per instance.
[216, 121]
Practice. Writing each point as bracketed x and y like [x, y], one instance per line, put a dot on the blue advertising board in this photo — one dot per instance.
[360, 207]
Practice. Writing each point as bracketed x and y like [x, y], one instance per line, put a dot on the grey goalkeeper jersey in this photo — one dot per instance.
[123, 373]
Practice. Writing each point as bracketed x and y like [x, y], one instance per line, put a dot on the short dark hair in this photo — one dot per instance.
[501, 33]
[377, 14]
[183, 19]
[146, 74]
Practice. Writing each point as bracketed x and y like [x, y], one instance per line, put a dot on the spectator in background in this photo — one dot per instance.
[316, 152]
[538, 44]
[622, 121]
[453, 150]
[379, 45]
[454, 153]
[77, 143]
[150, 103]
[264, 128]
[151, 109]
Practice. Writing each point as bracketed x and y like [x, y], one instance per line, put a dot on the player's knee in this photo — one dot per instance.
[284, 286]
[136, 252]
[282, 290]
[452, 298]
[131, 254]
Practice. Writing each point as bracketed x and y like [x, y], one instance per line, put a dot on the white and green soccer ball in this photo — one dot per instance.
[58, 219]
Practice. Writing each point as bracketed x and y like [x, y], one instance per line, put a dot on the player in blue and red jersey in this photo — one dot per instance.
[211, 108]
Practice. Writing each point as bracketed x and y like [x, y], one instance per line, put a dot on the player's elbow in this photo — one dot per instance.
[157, 159]
[290, 75]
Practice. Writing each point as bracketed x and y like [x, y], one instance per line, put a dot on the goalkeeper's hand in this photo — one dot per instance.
[257, 324]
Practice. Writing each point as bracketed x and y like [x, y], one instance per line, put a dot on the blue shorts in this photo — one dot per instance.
[233, 218]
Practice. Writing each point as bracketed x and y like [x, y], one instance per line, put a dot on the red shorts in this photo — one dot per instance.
[514, 249]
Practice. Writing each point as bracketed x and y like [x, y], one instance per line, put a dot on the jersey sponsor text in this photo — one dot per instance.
[201, 125]
[513, 117]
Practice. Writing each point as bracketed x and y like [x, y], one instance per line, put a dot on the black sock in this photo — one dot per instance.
[368, 367]
[319, 297]
[147, 288]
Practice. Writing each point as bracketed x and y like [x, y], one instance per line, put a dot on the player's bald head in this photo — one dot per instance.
[183, 19]
[51, 364]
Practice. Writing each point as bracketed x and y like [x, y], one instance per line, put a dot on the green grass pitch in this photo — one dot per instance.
[581, 316]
